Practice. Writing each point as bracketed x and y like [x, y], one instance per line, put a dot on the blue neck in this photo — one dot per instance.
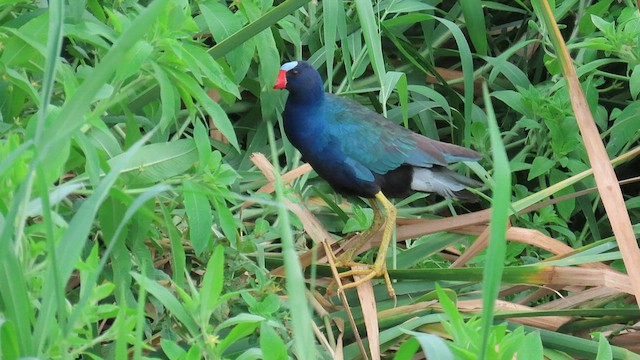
[304, 122]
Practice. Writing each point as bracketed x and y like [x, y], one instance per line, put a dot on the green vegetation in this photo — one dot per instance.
[131, 225]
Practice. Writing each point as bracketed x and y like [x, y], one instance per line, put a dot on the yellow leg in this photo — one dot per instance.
[346, 259]
[379, 266]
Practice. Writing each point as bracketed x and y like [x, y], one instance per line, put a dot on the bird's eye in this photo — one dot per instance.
[294, 72]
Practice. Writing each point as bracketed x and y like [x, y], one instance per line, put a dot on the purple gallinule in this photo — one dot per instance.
[361, 153]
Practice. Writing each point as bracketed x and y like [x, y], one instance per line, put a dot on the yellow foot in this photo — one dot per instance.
[364, 273]
[368, 273]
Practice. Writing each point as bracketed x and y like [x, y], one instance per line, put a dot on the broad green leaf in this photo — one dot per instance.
[511, 72]
[156, 162]
[330, 29]
[194, 353]
[21, 81]
[391, 80]
[243, 318]
[607, 28]
[256, 26]
[598, 8]
[625, 128]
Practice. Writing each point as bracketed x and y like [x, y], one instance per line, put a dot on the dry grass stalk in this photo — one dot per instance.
[600, 294]
[369, 314]
[573, 276]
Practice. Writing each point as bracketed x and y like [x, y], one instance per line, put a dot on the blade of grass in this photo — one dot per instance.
[330, 28]
[300, 312]
[477, 29]
[492, 276]
[256, 27]
[13, 288]
[372, 37]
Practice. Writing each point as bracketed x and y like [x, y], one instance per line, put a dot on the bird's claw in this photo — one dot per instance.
[365, 273]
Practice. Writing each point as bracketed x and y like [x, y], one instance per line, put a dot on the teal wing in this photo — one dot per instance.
[369, 140]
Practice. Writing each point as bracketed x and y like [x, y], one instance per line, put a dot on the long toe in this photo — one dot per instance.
[367, 273]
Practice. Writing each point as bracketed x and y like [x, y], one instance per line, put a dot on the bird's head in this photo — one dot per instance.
[300, 78]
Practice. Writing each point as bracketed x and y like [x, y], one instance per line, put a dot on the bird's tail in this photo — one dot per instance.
[445, 182]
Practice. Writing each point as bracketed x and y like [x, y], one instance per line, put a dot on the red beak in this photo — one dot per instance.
[281, 83]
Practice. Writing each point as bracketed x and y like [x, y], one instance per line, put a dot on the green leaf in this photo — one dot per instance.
[269, 60]
[501, 203]
[432, 345]
[540, 166]
[169, 97]
[372, 37]
[27, 45]
[194, 353]
[201, 138]
[625, 128]
[212, 283]
[9, 338]
[477, 29]
[212, 108]
[585, 25]
[197, 58]
[172, 350]
[168, 300]
[223, 23]
[513, 99]
[607, 28]
[256, 26]
[272, 346]
[199, 215]
[156, 162]
[134, 59]
[246, 325]
[227, 221]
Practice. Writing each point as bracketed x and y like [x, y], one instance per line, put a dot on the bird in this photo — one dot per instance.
[361, 153]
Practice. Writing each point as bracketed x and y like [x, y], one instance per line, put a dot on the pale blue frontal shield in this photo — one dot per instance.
[288, 66]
